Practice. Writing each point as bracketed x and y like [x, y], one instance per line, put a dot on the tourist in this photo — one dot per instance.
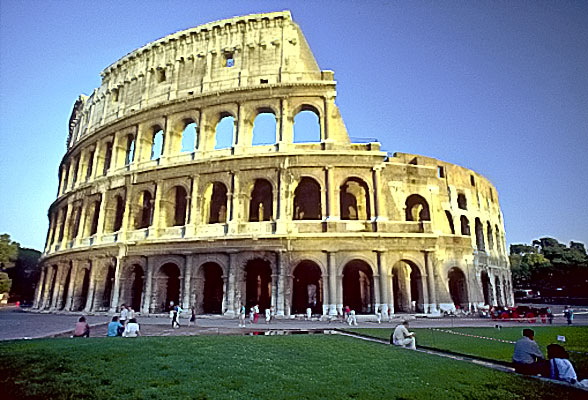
[82, 328]
[131, 312]
[569, 314]
[192, 317]
[251, 315]
[242, 316]
[132, 329]
[268, 315]
[347, 313]
[402, 337]
[175, 314]
[352, 320]
[379, 314]
[308, 313]
[115, 328]
[527, 358]
[560, 367]
[549, 315]
[124, 314]
[256, 313]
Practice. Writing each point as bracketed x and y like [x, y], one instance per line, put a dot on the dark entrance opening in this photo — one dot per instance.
[258, 281]
[66, 287]
[108, 285]
[84, 292]
[458, 288]
[213, 288]
[486, 288]
[307, 288]
[358, 283]
[168, 286]
[136, 287]
[416, 289]
[307, 200]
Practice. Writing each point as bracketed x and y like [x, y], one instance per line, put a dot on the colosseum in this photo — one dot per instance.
[212, 168]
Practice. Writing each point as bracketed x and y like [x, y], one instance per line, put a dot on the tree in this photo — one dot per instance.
[8, 251]
[25, 275]
[5, 283]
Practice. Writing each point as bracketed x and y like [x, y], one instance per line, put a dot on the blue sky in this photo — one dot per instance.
[499, 87]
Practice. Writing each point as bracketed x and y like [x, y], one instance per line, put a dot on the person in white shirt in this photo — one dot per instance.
[560, 367]
[124, 314]
[268, 315]
[132, 329]
[402, 337]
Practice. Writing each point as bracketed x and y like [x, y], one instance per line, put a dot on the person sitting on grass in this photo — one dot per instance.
[82, 328]
[527, 357]
[402, 337]
[560, 367]
[132, 329]
[115, 328]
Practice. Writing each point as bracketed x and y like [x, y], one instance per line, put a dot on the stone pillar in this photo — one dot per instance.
[49, 277]
[155, 222]
[333, 297]
[101, 217]
[57, 286]
[280, 263]
[94, 267]
[233, 199]
[127, 217]
[39, 288]
[117, 273]
[82, 228]
[188, 266]
[67, 223]
[232, 270]
[286, 134]
[146, 309]
[384, 279]
[333, 213]
[432, 306]
[282, 199]
[193, 209]
[72, 284]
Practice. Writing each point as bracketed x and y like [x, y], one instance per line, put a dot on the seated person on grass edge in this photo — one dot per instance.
[402, 337]
[527, 358]
[132, 329]
[115, 328]
[82, 328]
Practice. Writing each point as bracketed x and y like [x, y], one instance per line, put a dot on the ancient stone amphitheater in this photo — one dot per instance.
[212, 168]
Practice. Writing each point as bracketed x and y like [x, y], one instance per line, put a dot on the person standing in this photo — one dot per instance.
[549, 315]
[242, 316]
[402, 337]
[352, 319]
[192, 321]
[256, 313]
[124, 314]
[268, 315]
[175, 313]
[379, 314]
[527, 357]
[569, 314]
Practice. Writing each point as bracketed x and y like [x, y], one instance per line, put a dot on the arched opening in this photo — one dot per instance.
[62, 224]
[80, 301]
[108, 285]
[307, 200]
[307, 126]
[450, 222]
[75, 228]
[95, 217]
[407, 286]
[224, 132]
[458, 288]
[479, 235]
[417, 208]
[490, 236]
[354, 200]
[261, 204]
[157, 143]
[107, 158]
[218, 204]
[145, 214]
[465, 225]
[486, 288]
[358, 283]
[307, 288]
[119, 213]
[189, 137]
[498, 246]
[90, 166]
[181, 203]
[130, 150]
[264, 129]
[258, 282]
[132, 287]
[461, 201]
[212, 300]
[167, 286]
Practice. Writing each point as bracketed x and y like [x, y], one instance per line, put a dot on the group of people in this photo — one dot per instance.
[254, 314]
[528, 359]
[126, 325]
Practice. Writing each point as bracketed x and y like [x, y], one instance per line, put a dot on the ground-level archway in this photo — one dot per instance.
[486, 288]
[212, 299]
[108, 286]
[167, 287]
[458, 288]
[307, 288]
[358, 284]
[81, 299]
[407, 286]
[258, 281]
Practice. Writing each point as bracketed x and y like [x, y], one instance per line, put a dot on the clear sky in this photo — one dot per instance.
[500, 87]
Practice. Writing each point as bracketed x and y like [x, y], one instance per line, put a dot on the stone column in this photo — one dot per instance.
[384, 279]
[282, 199]
[229, 297]
[101, 217]
[94, 267]
[155, 222]
[332, 209]
[188, 266]
[39, 288]
[286, 134]
[233, 199]
[430, 283]
[127, 217]
[146, 309]
[82, 227]
[280, 263]
[120, 259]
[56, 286]
[49, 277]
[333, 295]
[72, 284]
[67, 223]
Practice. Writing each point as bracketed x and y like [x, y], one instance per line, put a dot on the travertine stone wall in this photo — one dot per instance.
[291, 224]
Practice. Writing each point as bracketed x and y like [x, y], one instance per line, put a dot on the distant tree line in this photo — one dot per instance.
[19, 272]
[551, 267]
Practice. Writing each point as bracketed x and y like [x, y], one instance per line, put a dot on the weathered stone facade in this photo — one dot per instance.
[150, 209]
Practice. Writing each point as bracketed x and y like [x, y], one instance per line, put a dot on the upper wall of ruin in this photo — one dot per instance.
[247, 52]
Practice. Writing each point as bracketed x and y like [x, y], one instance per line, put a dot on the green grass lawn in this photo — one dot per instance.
[243, 367]
[576, 339]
